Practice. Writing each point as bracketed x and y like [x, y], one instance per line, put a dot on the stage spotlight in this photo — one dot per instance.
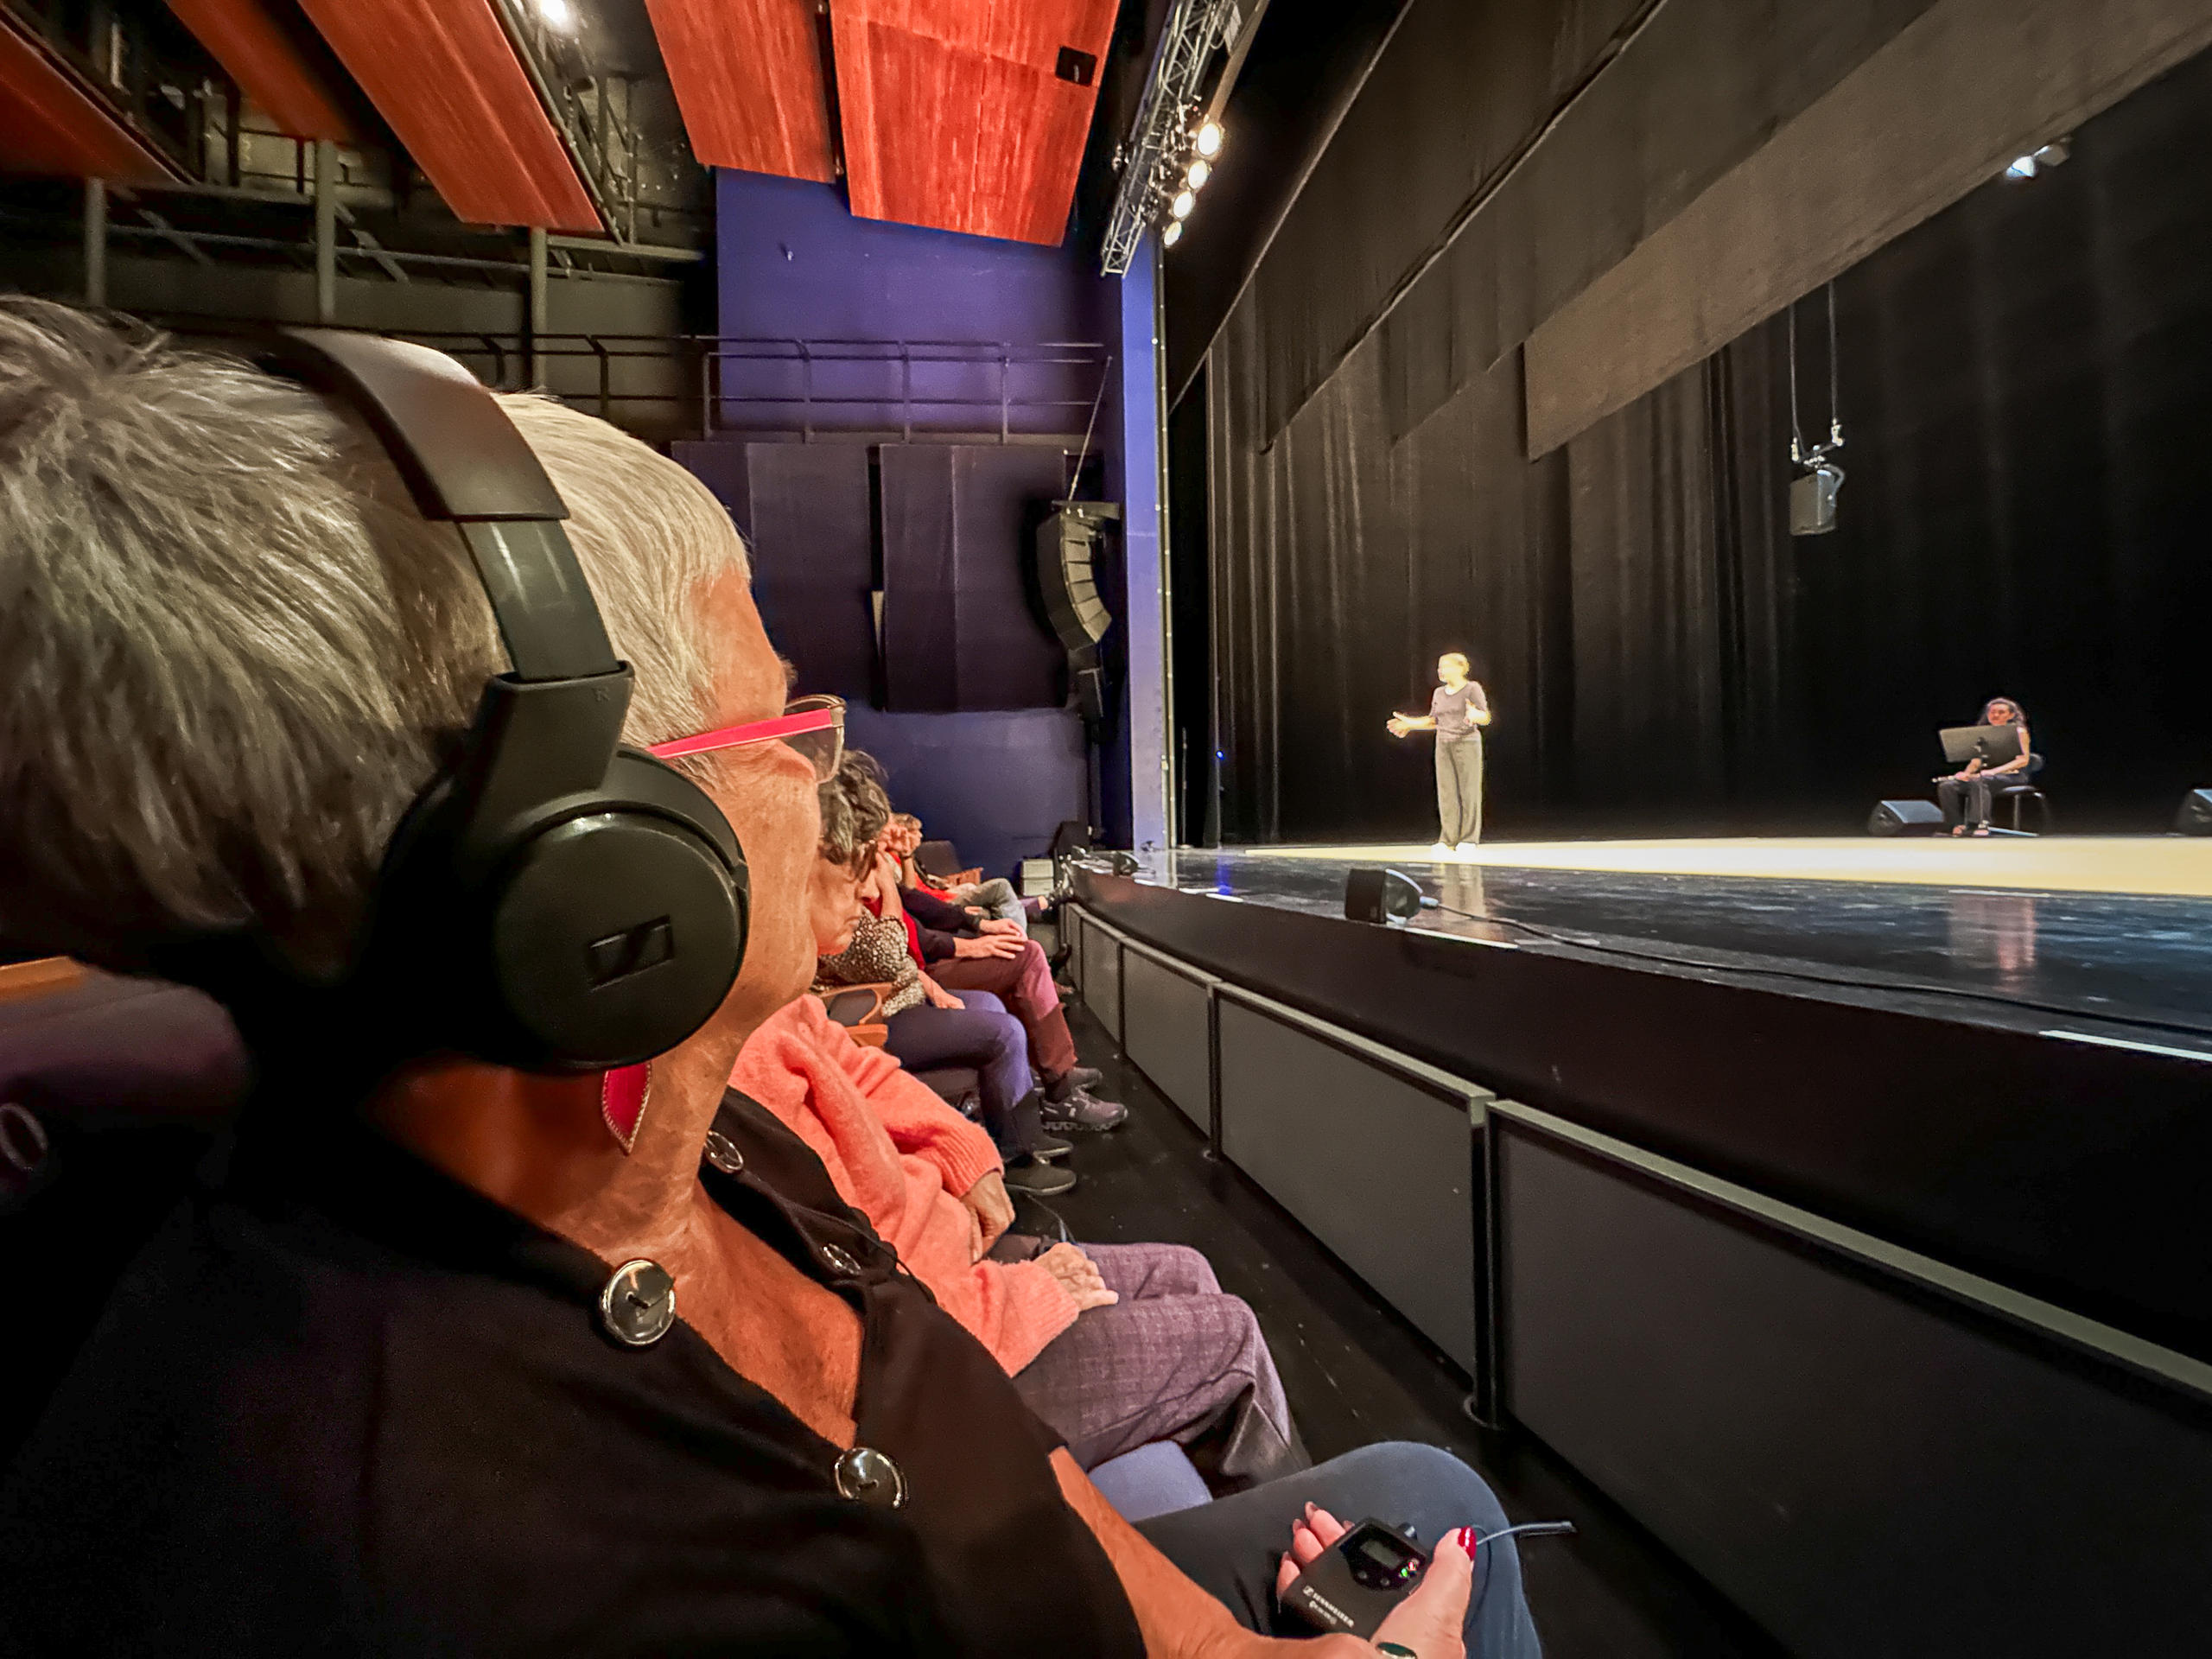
[557, 14]
[1201, 170]
[1172, 234]
[1209, 139]
[2056, 153]
[1182, 205]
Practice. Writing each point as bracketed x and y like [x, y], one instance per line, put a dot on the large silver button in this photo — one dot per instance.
[639, 1305]
[722, 1153]
[840, 1260]
[865, 1476]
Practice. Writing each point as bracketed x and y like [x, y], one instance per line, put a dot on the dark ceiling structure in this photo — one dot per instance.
[934, 112]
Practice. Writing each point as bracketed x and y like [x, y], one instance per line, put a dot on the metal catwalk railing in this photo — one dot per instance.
[714, 384]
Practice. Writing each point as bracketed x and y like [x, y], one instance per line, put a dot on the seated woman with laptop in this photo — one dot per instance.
[2000, 755]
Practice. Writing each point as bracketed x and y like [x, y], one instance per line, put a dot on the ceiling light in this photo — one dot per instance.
[1199, 173]
[557, 13]
[1172, 234]
[1209, 139]
[1182, 205]
[2023, 167]
[2056, 153]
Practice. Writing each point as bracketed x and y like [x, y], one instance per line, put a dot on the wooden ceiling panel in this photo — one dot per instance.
[749, 79]
[51, 123]
[443, 74]
[955, 113]
[259, 54]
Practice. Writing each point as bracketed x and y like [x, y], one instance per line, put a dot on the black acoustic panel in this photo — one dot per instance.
[1864, 1467]
[813, 560]
[1167, 1028]
[961, 628]
[1379, 1169]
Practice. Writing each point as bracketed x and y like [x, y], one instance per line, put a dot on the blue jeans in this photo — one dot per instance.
[1232, 1546]
[981, 1034]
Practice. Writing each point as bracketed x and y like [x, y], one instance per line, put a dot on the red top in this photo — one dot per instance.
[914, 933]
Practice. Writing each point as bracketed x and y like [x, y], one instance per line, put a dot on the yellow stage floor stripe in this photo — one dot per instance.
[2175, 866]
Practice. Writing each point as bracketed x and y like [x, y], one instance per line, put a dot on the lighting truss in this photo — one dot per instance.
[1153, 154]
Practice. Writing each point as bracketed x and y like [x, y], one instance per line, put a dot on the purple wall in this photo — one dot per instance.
[793, 262]
[794, 265]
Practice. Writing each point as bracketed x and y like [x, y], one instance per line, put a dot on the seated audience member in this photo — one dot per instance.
[404, 1378]
[995, 899]
[925, 1025]
[962, 952]
[1158, 1352]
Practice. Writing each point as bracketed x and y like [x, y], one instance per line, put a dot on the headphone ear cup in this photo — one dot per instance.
[615, 934]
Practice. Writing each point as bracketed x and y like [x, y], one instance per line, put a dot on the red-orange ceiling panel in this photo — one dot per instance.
[443, 73]
[969, 115]
[267, 64]
[50, 123]
[747, 75]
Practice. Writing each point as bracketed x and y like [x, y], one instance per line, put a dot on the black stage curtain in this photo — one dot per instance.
[2021, 381]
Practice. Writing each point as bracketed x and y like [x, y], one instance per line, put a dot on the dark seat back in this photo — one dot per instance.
[939, 859]
[112, 1090]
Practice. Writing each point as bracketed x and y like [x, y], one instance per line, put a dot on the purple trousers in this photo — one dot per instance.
[1175, 1359]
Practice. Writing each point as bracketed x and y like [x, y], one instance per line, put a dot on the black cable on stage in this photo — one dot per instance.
[1965, 992]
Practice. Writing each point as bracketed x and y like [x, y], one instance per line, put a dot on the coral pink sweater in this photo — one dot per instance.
[902, 1157]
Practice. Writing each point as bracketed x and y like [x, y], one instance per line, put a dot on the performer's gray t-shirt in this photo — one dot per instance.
[1454, 724]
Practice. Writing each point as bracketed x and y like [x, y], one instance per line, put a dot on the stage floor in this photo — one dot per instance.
[2105, 939]
[2175, 866]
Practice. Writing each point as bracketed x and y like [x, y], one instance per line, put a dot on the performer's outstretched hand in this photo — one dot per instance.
[1398, 726]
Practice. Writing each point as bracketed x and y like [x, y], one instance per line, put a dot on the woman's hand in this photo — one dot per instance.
[1078, 1275]
[989, 944]
[1012, 929]
[1431, 1622]
[994, 1212]
[939, 997]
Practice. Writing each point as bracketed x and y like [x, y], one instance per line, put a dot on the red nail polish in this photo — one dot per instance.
[1465, 1538]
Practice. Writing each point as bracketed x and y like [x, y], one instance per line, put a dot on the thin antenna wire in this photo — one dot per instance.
[1083, 454]
[1835, 378]
[1797, 426]
[1532, 1528]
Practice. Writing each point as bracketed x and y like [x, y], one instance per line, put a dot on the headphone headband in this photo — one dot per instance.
[464, 462]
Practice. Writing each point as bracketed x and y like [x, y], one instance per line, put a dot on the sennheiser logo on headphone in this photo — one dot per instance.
[631, 951]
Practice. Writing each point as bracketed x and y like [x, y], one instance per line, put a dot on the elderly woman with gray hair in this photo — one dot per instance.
[449, 1356]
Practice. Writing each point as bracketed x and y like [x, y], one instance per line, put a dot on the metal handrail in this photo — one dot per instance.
[712, 353]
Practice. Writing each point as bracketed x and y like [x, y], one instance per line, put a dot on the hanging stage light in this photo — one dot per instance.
[1209, 139]
[557, 14]
[1182, 205]
[1201, 170]
[1172, 234]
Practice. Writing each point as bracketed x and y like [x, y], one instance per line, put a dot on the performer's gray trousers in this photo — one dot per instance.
[1460, 789]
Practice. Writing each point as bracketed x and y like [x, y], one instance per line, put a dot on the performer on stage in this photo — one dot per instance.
[1457, 713]
[1965, 793]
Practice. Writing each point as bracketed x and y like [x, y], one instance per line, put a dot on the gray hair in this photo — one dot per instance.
[234, 654]
[855, 809]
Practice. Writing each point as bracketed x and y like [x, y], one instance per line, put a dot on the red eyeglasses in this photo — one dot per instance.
[813, 726]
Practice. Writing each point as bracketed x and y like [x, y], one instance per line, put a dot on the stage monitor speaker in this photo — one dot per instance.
[2195, 818]
[1906, 818]
[1381, 895]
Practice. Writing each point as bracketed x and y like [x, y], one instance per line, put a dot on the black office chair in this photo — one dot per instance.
[2017, 796]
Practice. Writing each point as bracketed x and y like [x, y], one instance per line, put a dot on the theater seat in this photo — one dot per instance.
[110, 1092]
[1155, 1479]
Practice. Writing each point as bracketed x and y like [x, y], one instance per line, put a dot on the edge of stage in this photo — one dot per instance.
[1753, 1176]
[2047, 1123]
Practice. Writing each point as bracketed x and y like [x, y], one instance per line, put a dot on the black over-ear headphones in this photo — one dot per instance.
[552, 901]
